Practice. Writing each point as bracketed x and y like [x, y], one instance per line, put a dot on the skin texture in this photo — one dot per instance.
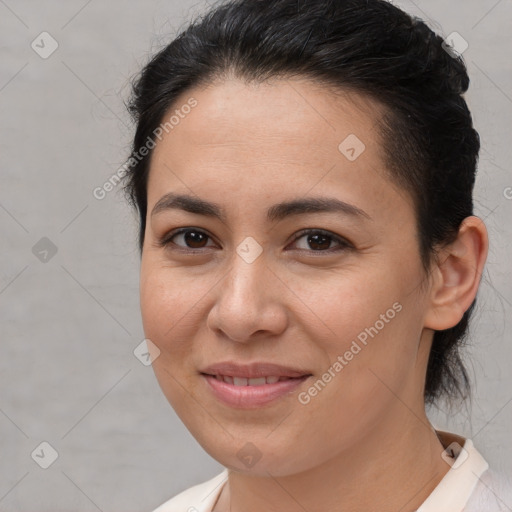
[364, 440]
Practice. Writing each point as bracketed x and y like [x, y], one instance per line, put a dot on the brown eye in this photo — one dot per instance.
[320, 241]
[195, 239]
[191, 239]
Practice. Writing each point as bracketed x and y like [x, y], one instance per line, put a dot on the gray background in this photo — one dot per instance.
[69, 325]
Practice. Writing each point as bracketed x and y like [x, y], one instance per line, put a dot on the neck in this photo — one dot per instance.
[394, 468]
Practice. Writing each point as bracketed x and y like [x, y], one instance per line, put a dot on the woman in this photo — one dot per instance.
[303, 173]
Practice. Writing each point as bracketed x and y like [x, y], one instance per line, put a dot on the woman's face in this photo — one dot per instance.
[340, 310]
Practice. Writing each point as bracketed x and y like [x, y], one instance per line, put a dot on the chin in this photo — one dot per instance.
[260, 457]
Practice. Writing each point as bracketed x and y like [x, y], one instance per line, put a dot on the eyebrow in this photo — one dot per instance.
[275, 213]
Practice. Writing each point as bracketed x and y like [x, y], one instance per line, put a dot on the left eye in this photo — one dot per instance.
[320, 241]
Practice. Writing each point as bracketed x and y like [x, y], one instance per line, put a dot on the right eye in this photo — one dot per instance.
[193, 238]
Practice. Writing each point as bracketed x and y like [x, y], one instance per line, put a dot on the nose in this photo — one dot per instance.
[250, 302]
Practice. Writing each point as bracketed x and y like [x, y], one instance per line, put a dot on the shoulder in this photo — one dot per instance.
[492, 493]
[199, 498]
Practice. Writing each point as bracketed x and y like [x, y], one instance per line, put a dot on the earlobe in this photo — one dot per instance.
[456, 275]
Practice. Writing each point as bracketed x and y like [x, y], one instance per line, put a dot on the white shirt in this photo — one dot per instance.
[468, 486]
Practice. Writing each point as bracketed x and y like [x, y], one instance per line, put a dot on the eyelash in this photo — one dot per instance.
[166, 242]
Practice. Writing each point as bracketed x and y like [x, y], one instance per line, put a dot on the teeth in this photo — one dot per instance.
[257, 381]
[239, 381]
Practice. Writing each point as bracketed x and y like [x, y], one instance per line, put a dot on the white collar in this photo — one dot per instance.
[467, 466]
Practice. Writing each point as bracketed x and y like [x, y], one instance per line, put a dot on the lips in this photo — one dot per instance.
[252, 374]
[254, 385]
[255, 381]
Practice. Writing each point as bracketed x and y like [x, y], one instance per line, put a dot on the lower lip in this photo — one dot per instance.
[246, 397]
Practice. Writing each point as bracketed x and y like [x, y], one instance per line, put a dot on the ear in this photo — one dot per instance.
[456, 275]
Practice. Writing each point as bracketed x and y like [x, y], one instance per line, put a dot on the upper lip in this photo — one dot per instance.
[253, 370]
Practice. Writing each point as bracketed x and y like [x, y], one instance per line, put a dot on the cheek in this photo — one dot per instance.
[167, 309]
[372, 324]
[170, 307]
[347, 305]
[370, 364]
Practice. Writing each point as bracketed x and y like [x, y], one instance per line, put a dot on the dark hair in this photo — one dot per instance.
[367, 46]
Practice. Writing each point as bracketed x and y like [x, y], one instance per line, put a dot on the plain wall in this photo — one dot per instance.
[69, 325]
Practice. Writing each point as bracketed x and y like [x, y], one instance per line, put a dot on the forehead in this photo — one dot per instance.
[285, 137]
[261, 116]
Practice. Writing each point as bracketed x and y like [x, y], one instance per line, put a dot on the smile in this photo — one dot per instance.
[242, 395]
[257, 381]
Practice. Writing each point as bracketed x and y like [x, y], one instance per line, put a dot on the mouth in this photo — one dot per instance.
[252, 386]
[255, 381]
